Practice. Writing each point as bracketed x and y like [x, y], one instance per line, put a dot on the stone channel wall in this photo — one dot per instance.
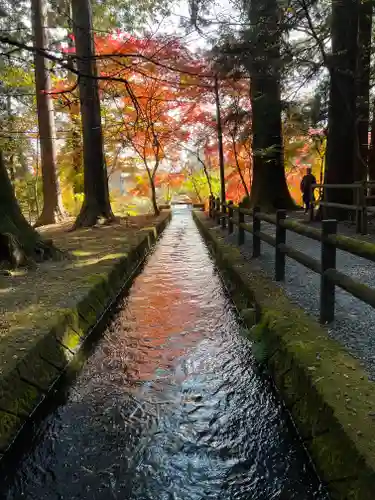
[27, 384]
[328, 394]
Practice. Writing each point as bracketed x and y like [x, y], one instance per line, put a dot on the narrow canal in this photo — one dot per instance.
[170, 405]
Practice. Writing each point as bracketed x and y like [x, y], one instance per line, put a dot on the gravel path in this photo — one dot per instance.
[354, 324]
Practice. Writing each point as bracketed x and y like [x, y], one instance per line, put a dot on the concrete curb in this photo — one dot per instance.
[326, 391]
[27, 385]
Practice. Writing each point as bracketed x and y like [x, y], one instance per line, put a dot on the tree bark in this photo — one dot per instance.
[342, 104]
[365, 9]
[207, 175]
[269, 189]
[371, 157]
[52, 200]
[220, 141]
[96, 201]
[19, 241]
[75, 124]
[244, 185]
[151, 178]
[76, 143]
[153, 198]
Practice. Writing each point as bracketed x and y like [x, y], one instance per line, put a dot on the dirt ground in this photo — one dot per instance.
[30, 299]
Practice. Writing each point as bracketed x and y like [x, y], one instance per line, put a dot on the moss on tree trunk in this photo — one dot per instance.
[20, 243]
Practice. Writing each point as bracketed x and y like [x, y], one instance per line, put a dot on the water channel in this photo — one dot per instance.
[170, 405]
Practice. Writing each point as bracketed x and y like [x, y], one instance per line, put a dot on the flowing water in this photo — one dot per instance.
[170, 405]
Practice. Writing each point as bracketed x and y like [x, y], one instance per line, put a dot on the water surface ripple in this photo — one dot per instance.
[170, 406]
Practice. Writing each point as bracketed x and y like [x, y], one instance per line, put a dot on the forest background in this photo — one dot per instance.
[117, 107]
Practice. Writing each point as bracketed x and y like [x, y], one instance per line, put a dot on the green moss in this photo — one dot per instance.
[329, 395]
[38, 371]
[18, 397]
[356, 245]
[37, 361]
[249, 317]
[9, 425]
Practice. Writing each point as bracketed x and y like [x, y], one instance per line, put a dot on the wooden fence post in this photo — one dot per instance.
[312, 204]
[364, 207]
[217, 210]
[230, 216]
[280, 239]
[223, 218]
[358, 212]
[328, 261]
[241, 220]
[256, 229]
[210, 206]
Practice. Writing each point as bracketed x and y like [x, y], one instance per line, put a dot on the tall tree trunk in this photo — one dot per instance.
[12, 172]
[220, 141]
[19, 241]
[207, 175]
[52, 201]
[365, 9]
[76, 143]
[194, 183]
[96, 202]
[244, 185]
[269, 188]
[75, 127]
[153, 198]
[371, 156]
[342, 103]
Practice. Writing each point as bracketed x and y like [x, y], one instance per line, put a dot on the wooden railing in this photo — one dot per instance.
[224, 214]
[361, 194]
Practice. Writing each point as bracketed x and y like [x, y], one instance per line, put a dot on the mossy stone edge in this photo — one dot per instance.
[327, 392]
[26, 385]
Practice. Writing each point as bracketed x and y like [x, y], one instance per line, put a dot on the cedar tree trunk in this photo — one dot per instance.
[52, 201]
[269, 189]
[96, 203]
[341, 140]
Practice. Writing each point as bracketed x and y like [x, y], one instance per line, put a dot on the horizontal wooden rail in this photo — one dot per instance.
[246, 227]
[266, 217]
[338, 205]
[325, 267]
[271, 240]
[362, 195]
[301, 257]
[336, 186]
[246, 211]
[359, 290]
[295, 227]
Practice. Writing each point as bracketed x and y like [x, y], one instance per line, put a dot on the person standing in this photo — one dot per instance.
[307, 181]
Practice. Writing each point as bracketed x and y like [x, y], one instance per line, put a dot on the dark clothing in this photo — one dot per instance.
[306, 184]
[307, 201]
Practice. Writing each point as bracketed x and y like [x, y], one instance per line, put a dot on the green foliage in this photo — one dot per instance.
[111, 14]
[29, 194]
[123, 207]
[196, 183]
[127, 14]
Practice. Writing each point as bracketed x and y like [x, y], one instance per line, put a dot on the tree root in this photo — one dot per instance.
[90, 215]
[45, 219]
[13, 254]
[11, 250]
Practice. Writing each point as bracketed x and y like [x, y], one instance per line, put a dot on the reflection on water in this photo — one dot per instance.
[170, 405]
